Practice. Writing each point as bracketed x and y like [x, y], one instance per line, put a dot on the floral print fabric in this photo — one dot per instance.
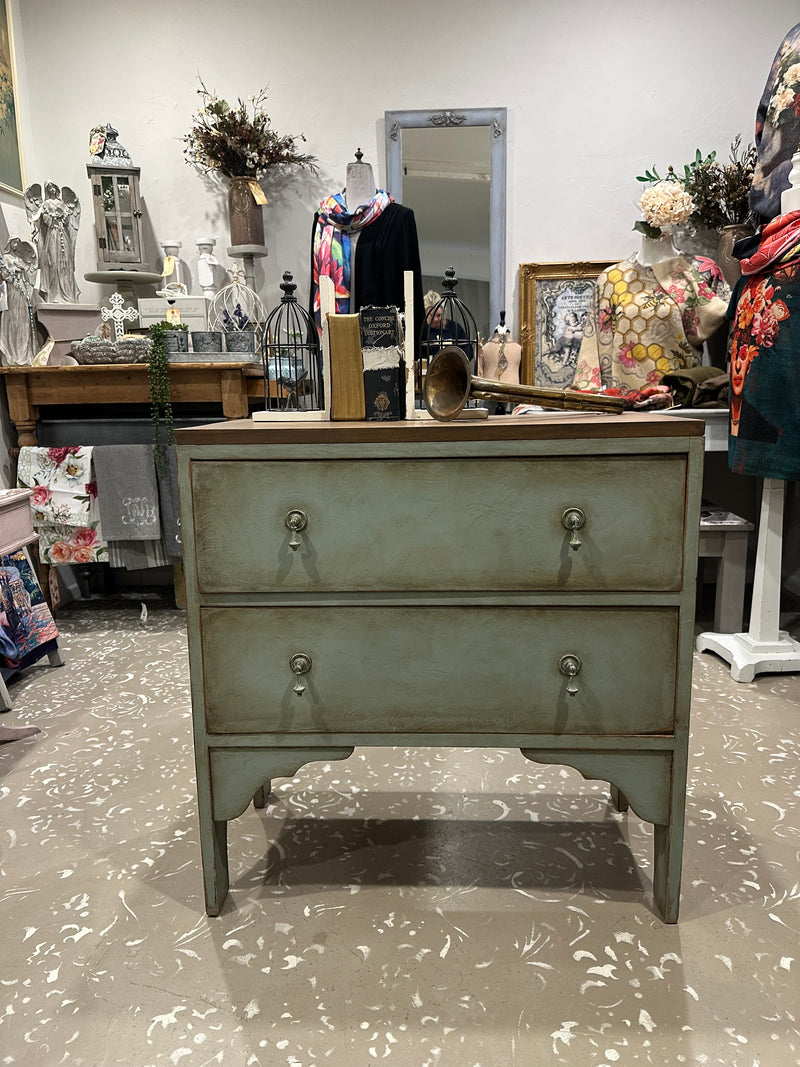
[765, 366]
[649, 321]
[64, 503]
[777, 128]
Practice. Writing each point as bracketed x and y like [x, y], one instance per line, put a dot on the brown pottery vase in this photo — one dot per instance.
[730, 266]
[246, 222]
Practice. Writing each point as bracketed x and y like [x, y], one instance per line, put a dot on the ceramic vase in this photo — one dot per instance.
[246, 221]
[728, 264]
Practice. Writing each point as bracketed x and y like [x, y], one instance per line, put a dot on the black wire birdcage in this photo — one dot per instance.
[448, 322]
[291, 357]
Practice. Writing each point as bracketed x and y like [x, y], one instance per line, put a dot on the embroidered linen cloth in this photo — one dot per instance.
[128, 497]
[64, 503]
[764, 435]
[648, 321]
[127, 492]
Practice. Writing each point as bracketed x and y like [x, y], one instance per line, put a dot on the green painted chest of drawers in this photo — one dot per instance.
[511, 583]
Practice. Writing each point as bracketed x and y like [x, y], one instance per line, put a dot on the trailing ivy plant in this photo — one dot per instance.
[160, 394]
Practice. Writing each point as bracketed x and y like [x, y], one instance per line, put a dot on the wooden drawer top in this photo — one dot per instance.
[556, 426]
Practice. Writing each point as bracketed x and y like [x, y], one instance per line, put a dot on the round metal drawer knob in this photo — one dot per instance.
[296, 521]
[573, 519]
[299, 664]
[570, 667]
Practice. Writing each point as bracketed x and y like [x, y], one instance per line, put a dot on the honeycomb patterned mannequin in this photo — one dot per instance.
[649, 320]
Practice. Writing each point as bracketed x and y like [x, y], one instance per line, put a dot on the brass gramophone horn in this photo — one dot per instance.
[449, 384]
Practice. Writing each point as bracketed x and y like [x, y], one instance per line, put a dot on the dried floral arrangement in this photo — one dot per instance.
[720, 191]
[239, 141]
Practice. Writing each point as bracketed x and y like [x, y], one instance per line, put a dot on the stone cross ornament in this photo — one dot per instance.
[118, 314]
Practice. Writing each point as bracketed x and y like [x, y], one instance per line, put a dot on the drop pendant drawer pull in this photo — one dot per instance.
[573, 519]
[570, 666]
[296, 521]
[299, 664]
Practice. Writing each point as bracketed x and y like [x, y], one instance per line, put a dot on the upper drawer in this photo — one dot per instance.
[452, 524]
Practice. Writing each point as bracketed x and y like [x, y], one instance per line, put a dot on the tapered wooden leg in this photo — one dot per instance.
[260, 796]
[213, 840]
[667, 850]
[618, 798]
[214, 849]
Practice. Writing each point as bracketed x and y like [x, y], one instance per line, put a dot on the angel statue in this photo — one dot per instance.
[18, 334]
[54, 221]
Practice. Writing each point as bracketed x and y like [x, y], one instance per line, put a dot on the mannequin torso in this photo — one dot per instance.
[360, 189]
[500, 358]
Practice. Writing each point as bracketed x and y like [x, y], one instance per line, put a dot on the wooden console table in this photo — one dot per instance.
[515, 583]
[28, 388]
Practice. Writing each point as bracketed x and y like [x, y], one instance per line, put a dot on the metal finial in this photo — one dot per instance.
[449, 282]
[288, 287]
[359, 155]
[502, 318]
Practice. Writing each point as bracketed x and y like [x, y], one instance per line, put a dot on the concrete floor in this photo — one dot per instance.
[424, 907]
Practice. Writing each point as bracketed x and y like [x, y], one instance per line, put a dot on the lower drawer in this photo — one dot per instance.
[434, 669]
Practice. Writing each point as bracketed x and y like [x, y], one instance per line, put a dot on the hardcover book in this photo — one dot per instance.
[347, 371]
[384, 365]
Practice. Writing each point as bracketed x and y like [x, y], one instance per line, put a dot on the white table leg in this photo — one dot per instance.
[764, 647]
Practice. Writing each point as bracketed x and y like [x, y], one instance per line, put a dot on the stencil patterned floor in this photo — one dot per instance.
[419, 907]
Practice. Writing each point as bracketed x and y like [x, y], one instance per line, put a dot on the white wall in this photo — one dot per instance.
[595, 94]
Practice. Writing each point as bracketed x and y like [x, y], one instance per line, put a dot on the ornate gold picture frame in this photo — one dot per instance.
[555, 304]
[12, 171]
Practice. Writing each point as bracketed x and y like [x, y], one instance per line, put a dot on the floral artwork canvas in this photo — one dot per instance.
[25, 620]
[11, 169]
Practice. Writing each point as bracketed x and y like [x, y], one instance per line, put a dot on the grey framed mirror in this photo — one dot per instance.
[449, 167]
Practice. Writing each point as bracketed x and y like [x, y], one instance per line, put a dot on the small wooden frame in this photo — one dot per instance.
[550, 294]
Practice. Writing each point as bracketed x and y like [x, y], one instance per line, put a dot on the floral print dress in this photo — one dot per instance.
[777, 128]
[64, 504]
[648, 321]
[764, 435]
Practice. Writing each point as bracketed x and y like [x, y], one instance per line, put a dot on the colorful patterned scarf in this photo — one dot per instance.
[778, 245]
[332, 249]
